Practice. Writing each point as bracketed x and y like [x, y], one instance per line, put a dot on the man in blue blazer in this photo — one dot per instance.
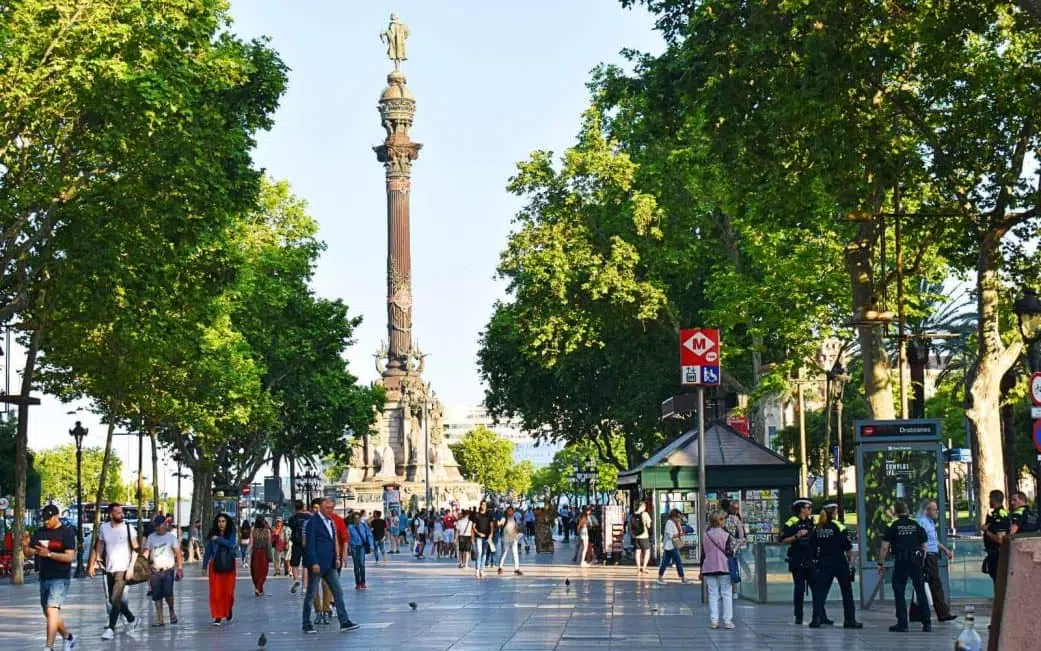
[322, 558]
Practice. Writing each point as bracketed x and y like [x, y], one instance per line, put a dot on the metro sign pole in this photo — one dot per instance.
[699, 367]
[1035, 399]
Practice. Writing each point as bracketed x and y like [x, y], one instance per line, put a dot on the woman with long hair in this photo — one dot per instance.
[672, 543]
[510, 540]
[259, 554]
[278, 545]
[244, 532]
[465, 527]
[834, 552]
[219, 563]
[582, 530]
[482, 535]
[715, 572]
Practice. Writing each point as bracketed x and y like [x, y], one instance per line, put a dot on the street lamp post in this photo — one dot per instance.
[79, 433]
[1028, 313]
[177, 505]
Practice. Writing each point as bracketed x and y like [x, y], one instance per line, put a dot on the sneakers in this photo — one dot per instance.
[215, 622]
[661, 581]
[728, 626]
[348, 626]
[70, 643]
[296, 586]
[108, 634]
[310, 630]
[518, 573]
[714, 625]
[132, 625]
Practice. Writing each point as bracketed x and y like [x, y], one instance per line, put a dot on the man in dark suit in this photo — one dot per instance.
[322, 558]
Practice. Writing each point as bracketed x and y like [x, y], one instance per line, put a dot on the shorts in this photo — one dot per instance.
[465, 544]
[162, 584]
[449, 536]
[296, 557]
[421, 538]
[643, 544]
[53, 593]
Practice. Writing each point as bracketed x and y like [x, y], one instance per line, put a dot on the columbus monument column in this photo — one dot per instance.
[397, 106]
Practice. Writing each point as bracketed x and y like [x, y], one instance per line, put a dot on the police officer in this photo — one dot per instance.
[833, 551]
[797, 533]
[996, 527]
[906, 539]
[1023, 519]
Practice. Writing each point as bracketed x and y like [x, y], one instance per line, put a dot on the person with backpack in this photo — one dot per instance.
[218, 563]
[296, 537]
[114, 547]
[640, 532]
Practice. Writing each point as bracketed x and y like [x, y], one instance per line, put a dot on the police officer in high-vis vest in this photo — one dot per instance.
[1023, 518]
[905, 539]
[997, 526]
[797, 533]
[833, 552]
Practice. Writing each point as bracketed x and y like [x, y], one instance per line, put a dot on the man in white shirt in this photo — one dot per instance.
[115, 544]
[421, 534]
[164, 550]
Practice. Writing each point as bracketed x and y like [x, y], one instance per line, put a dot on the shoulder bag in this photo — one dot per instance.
[140, 569]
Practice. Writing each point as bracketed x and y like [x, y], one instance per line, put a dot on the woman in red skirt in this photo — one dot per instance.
[219, 561]
[260, 554]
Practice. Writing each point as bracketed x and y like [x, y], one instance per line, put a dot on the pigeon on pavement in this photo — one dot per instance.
[413, 605]
[261, 641]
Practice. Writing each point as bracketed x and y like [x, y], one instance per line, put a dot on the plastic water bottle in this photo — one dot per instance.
[969, 640]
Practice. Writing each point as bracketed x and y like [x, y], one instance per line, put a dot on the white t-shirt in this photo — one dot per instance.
[162, 547]
[117, 546]
[671, 531]
[421, 526]
[646, 518]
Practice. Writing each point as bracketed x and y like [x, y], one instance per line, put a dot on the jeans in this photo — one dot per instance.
[512, 548]
[53, 593]
[358, 558]
[480, 545]
[904, 571]
[719, 589]
[379, 548]
[332, 579]
[243, 546]
[118, 603]
[668, 557]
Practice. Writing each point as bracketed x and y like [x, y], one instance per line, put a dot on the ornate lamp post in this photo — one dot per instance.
[78, 433]
[593, 473]
[1028, 313]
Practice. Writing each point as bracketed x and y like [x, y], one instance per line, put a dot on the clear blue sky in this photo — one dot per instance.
[493, 81]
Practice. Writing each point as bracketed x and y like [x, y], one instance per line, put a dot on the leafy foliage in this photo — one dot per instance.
[487, 458]
[57, 468]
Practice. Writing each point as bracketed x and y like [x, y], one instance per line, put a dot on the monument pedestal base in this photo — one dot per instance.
[369, 495]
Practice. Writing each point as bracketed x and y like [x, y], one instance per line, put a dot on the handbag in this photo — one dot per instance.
[140, 570]
[223, 559]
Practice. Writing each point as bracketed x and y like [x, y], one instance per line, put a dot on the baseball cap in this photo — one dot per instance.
[158, 520]
[48, 512]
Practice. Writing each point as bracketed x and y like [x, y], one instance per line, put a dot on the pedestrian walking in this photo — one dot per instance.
[717, 548]
[54, 546]
[164, 554]
[906, 539]
[831, 546]
[194, 544]
[296, 539]
[323, 600]
[259, 554]
[419, 529]
[640, 532]
[379, 535]
[672, 543]
[510, 540]
[278, 546]
[361, 542]
[796, 534]
[322, 555]
[529, 529]
[483, 526]
[450, 521]
[114, 546]
[439, 536]
[465, 527]
[927, 520]
[393, 532]
[218, 563]
[244, 532]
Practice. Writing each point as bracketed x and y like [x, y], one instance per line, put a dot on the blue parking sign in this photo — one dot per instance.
[710, 375]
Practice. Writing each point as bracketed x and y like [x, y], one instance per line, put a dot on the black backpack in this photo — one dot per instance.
[1030, 521]
[223, 559]
[636, 525]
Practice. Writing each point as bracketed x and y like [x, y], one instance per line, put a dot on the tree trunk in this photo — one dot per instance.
[202, 498]
[21, 455]
[877, 383]
[113, 416]
[1008, 430]
[155, 466]
[994, 361]
[918, 361]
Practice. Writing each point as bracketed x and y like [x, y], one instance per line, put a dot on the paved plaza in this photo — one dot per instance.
[602, 608]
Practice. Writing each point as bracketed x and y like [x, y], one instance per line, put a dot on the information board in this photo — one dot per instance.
[760, 510]
[895, 473]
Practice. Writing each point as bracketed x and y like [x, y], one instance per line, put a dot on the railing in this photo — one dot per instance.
[765, 577]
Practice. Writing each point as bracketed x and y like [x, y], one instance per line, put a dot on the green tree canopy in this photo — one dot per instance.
[487, 458]
[57, 468]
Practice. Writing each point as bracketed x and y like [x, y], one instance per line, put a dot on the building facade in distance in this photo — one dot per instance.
[460, 419]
